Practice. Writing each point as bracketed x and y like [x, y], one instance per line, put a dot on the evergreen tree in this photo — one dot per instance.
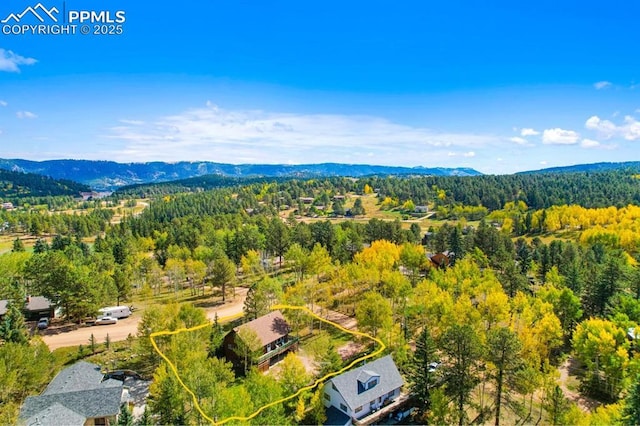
[463, 350]
[631, 407]
[12, 327]
[40, 246]
[125, 418]
[503, 350]
[18, 245]
[278, 238]
[358, 208]
[421, 373]
[92, 343]
[556, 405]
[144, 419]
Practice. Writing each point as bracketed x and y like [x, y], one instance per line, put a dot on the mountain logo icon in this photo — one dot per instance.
[39, 11]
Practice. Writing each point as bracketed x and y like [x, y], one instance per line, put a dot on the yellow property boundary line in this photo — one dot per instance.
[281, 400]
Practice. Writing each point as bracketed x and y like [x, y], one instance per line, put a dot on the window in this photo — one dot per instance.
[327, 397]
[343, 407]
[359, 409]
[390, 395]
[372, 383]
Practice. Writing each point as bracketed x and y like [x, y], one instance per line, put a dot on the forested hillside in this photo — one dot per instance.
[16, 185]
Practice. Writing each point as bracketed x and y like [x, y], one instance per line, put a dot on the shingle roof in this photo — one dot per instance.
[35, 303]
[76, 391]
[103, 402]
[269, 328]
[80, 376]
[38, 303]
[56, 414]
[354, 395]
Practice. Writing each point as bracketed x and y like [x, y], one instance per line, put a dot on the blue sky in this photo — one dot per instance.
[502, 88]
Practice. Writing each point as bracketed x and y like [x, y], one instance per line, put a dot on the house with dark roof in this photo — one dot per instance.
[272, 331]
[78, 395]
[35, 308]
[357, 393]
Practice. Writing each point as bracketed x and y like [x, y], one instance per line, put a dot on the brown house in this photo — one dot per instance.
[272, 331]
[440, 260]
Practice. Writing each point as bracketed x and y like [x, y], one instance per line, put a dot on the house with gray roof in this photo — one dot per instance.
[78, 395]
[35, 308]
[359, 392]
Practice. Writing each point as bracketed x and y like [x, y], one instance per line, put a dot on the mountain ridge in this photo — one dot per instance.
[110, 175]
[589, 167]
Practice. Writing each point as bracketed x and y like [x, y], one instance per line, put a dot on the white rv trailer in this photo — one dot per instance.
[115, 311]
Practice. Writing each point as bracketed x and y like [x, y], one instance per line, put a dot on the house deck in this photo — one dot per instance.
[383, 412]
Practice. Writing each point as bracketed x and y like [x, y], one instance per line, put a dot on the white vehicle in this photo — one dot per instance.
[115, 311]
[106, 320]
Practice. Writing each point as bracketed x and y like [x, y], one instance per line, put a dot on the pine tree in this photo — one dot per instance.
[12, 327]
[503, 350]
[92, 343]
[125, 418]
[358, 208]
[144, 419]
[631, 408]
[421, 374]
[18, 245]
[40, 246]
[556, 405]
[463, 349]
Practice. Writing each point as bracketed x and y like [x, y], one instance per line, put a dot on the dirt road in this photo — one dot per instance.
[583, 402]
[124, 327]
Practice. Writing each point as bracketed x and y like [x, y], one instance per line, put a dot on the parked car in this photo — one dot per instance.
[403, 414]
[106, 320]
[43, 323]
[433, 367]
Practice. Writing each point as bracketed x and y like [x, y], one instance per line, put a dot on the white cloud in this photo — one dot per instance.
[250, 136]
[589, 143]
[602, 85]
[519, 140]
[11, 62]
[3, 103]
[559, 136]
[132, 122]
[543, 162]
[629, 130]
[528, 132]
[25, 114]
[469, 154]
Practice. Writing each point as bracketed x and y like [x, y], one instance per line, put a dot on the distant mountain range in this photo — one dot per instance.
[595, 167]
[109, 175]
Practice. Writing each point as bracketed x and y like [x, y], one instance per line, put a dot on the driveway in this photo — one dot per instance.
[120, 331]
